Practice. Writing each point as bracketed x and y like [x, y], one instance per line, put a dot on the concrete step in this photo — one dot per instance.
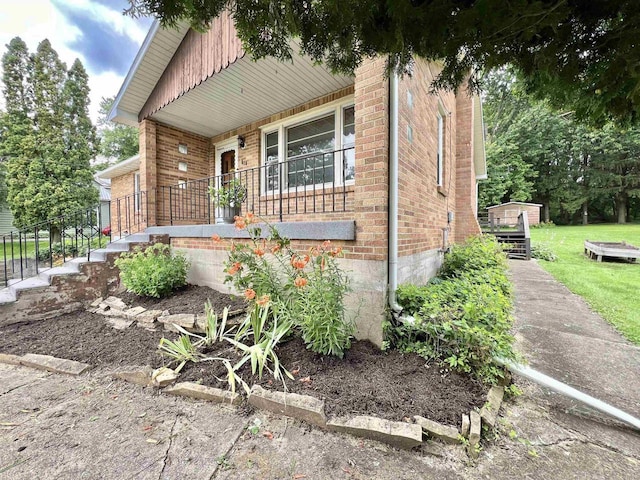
[7, 296]
[136, 237]
[66, 269]
[70, 267]
[28, 283]
[116, 247]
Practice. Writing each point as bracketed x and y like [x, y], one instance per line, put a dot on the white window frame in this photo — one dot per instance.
[281, 127]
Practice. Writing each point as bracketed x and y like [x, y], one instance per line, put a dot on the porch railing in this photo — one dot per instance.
[312, 183]
[25, 252]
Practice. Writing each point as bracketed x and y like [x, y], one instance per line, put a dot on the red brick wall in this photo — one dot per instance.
[423, 206]
[466, 215]
[121, 187]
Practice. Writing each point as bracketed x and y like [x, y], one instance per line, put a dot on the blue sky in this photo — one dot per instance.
[95, 31]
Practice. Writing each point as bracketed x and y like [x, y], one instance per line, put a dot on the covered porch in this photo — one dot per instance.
[221, 134]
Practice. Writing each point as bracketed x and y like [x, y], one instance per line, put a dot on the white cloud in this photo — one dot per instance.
[35, 20]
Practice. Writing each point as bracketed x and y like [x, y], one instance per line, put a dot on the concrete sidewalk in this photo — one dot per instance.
[59, 427]
[559, 336]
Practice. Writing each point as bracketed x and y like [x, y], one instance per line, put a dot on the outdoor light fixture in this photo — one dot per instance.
[240, 141]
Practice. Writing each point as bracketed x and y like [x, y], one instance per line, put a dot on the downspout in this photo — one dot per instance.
[393, 193]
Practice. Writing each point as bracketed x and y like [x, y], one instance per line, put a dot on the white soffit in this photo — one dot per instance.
[248, 91]
[129, 165]
[156, 52]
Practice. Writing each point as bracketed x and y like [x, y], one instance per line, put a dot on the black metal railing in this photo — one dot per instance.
[313, 183]
[28, 251]
[129, 214]
[25, 252]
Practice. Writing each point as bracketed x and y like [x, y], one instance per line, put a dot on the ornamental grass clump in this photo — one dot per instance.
[153, 272]
[306, 289]
[463, 316]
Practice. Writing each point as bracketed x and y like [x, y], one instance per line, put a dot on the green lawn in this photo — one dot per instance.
[612, 289]
[28, 246]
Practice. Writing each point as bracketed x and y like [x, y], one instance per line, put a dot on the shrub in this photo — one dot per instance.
[548, 224]
[477, 254]
[463, 317]
[154, 272]
[542, 251]
[305, 289]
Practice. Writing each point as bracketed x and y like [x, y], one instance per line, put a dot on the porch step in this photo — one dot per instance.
[70, 267]
[66, 269]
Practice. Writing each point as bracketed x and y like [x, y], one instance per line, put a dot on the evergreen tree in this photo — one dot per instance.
[16, 125]
[48, 169]
[119, 141]
[614, 171]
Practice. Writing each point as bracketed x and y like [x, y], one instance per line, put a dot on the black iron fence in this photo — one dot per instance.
[128, 214]
[314, 183]
[28, 251]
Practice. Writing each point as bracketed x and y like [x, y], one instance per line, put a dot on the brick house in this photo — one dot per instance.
[378, 165]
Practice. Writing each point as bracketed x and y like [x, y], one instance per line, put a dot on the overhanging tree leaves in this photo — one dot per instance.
[581, 53]
[48, 138]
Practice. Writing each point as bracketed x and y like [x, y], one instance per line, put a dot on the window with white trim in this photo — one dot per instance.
[440, 152]
[306, 151]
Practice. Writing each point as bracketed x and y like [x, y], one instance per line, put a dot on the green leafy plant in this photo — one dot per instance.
[542, 251]
[258, 343]
[230, 195]
[304, 289]
[153, 272]
[463, 318]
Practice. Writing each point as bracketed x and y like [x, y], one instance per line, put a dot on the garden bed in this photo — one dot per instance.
[390, 385]
[367, 381]
[188, 299]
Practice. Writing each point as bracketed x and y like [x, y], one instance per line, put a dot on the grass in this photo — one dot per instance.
[611, 289]
[28, 245]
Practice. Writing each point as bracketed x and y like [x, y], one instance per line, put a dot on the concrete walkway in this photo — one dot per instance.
[561, 337]
[59, 427]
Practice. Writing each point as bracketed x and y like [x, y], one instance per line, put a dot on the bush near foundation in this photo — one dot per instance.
[153, 272]
[463, 316]
[305, 289]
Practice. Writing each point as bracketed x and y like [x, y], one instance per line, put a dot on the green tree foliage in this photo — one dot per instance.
[537, 153]
[47, 136]
[614, 167]
[119, 141]
[580, 52]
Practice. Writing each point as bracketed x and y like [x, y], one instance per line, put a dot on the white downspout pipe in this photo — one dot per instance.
[567, 391]
[393, 193]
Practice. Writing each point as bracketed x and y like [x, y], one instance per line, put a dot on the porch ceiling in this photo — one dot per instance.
[248, 91]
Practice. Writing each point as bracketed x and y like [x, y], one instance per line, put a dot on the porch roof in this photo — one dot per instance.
[238, 93]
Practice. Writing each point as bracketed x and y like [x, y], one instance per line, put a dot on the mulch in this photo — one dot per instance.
[366, 381]
[189, 299]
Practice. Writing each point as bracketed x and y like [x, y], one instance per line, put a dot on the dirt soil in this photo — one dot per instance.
[367, 381]
[190, 299]
[84, 337]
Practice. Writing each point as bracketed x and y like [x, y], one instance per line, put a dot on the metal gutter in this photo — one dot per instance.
[567, 391]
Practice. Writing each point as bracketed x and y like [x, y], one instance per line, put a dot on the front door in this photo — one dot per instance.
[227, 162]
[224, 171]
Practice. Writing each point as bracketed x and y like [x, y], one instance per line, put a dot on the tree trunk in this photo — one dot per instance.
[55, 233]
[621, 207]
[585, 214]
[545, 207]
